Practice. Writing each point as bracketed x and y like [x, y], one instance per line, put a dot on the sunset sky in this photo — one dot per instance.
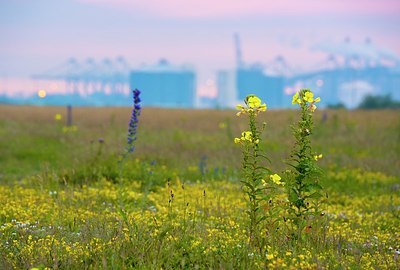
[37, 35]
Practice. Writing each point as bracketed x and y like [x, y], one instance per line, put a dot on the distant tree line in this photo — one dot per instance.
[378, 102]
[371, 102]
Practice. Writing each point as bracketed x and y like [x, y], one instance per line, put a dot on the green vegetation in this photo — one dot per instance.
[177, 201]
[371, 102]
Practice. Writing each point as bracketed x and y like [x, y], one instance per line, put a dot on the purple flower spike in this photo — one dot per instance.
[133, 123]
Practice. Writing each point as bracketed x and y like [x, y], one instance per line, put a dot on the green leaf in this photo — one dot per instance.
[315, 195]
[293, 196]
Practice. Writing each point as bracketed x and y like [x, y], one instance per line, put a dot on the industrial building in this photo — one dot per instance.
[234, 85]
[349, 73]
[163, 85]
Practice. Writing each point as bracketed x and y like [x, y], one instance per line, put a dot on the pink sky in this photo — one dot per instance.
[213, 8]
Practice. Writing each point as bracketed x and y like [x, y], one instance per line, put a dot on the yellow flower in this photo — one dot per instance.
[253, 101]
[296, 99]
[58, 117]
[270, 256]
[67, 129]
[247, 136]
[276, 179]
[318, 99]
[264, 182]
[239, 107]
[308, 96]
[262, 108]
[316, 157]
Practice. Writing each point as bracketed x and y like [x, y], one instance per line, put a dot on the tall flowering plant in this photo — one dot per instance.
[256, 176]
[303, 189]
[133, 123]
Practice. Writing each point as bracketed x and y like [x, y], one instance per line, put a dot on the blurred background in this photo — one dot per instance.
[198, 54]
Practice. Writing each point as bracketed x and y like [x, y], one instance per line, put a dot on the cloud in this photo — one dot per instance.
[211, 8]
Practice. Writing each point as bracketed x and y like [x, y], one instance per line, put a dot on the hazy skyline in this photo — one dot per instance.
[38, 35]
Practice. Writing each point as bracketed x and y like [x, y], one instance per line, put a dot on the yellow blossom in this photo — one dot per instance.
[316, 157]
[253, 101]
[239, 107]
[296, 99]
[264, 182]
[276, 179]
[308, 96]
[237, 140]
[262, 107]
[247, 136]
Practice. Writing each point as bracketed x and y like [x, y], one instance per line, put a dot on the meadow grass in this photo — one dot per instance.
[177, 201]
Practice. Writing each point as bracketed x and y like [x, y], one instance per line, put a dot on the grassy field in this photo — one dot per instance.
[177, 201]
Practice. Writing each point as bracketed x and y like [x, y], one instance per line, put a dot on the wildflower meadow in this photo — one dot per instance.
[151, 188]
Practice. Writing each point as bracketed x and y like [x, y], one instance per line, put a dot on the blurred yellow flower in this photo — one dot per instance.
[239, 107]
[264, 182]
[316, 157]
[296, 99]
[58, 117]
[71, 129]
[222, 125]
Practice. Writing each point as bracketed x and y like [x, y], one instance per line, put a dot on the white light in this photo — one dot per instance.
[42, 93]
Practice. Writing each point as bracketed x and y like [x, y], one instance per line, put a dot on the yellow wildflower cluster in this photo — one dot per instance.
[247, 136]
[306, 97]
[101, 226]
[70, 129]
[253, 106]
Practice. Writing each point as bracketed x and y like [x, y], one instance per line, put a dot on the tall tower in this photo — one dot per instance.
[238, 51]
